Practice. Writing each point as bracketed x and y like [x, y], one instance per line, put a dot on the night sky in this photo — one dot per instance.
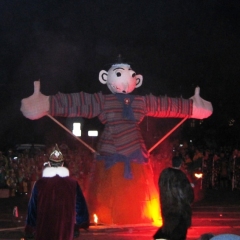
[176, 46]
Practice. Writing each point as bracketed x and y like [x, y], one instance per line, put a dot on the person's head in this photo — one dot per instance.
[224, 236]
[177, 161]
[120, 78]
[56, 158]
[206, 236]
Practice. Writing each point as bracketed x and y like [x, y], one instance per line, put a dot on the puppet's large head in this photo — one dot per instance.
[120, 78]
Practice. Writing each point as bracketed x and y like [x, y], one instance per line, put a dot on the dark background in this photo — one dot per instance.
[176, 46]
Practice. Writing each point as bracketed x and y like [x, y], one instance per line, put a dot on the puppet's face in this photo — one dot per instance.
[120, 78]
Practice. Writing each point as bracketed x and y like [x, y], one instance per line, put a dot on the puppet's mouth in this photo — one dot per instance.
[119, 89]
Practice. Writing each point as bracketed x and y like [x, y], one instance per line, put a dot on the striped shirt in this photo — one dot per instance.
[121, 135]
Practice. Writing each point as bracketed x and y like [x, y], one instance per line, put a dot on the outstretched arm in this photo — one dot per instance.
[165, 107]
[35, 106]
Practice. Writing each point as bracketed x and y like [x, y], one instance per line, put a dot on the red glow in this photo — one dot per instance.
[117, 200]
[15, 212]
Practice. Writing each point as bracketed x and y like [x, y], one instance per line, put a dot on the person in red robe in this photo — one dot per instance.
[57, 207]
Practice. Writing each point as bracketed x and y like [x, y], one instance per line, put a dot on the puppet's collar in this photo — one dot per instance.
[53, 171]
[126, 101]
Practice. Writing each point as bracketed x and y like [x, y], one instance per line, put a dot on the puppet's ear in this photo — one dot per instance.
[103, 76]
[139, 80]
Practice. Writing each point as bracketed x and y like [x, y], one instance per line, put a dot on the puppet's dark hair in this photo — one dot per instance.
[117, 60]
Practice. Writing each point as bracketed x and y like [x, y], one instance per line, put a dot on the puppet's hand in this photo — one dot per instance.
[35, 106]
[201, 108]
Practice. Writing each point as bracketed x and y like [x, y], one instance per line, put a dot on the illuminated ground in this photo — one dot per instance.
[218, 212]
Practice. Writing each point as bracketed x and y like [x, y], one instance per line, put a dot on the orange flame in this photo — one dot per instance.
[95, 218]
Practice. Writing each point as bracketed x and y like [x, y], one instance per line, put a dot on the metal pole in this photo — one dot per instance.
[163, 138]
[66, 129]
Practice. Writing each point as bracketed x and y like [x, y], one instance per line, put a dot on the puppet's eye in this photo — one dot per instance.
[134, 74]
[118, 74]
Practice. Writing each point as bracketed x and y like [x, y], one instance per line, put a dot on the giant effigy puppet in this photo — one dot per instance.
[121, 190]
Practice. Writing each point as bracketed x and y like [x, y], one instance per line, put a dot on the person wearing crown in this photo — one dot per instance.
[57, 207]
[122, 189]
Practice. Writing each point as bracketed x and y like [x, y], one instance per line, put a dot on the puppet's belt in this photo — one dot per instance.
[136, 156]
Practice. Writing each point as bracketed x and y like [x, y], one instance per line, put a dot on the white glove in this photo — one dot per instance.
[201, 108]
[35, 106]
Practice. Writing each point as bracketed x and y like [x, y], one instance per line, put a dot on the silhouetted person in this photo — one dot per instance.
[176, 197]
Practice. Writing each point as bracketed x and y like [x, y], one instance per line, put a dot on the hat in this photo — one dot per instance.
[56, 155]
[117, 61]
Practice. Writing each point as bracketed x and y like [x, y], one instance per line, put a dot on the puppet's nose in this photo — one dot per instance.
[123, 88]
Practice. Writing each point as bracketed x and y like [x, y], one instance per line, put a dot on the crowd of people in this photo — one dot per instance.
[20, 169]
[220, 169]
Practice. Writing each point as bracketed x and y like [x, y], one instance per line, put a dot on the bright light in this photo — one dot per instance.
[77, 129]
[92, 133]
[152, 209]
[95, 218]
[198, 175]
